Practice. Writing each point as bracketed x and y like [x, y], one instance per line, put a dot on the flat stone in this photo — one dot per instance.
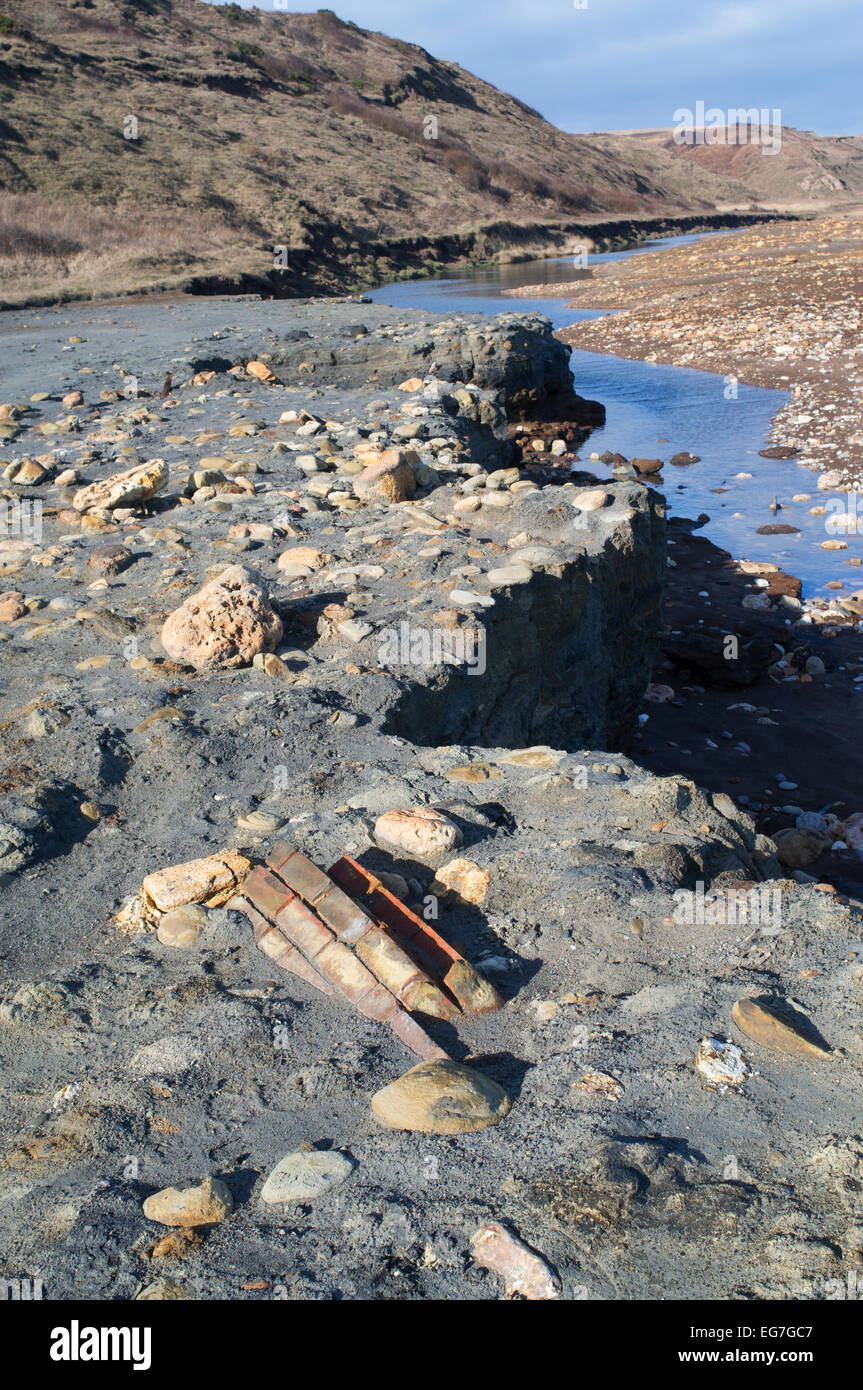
[591, 500]
[471, 772]
[207, 1204]
[508, 574]
[306, 1176]
[764, 1025]
[441, 1097]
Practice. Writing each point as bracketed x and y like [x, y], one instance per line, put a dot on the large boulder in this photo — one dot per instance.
[225, 624]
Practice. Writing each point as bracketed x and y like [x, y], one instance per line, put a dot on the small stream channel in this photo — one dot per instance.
[655, 411]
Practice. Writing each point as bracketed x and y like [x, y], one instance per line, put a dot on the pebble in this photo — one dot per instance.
[306, 1176]
[260, 822]
[205, 1205]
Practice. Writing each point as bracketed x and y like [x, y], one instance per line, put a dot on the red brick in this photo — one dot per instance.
[300, 874]
[301, 926]
[340, 912]
[265, 892]
[417, 1039]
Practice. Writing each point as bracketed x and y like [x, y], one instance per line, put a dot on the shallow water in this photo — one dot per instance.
[655, 411]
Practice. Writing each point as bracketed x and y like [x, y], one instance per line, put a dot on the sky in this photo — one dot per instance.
[627, 64]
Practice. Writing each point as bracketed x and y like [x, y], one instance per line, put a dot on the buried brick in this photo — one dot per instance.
[384, 960]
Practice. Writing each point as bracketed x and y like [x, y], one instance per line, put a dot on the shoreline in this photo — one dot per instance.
[742, 307]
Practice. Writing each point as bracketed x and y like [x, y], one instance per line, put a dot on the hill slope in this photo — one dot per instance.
[362, 155]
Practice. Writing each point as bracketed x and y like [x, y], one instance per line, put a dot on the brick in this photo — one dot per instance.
[302, 927]
[274, 945]
[472, 990]
[300, 874]
[392, 966]
[378, 1003]
[417, 1039]
[424, 997]
[340, 912]
[282, 850]
[266, 892]
[345, 970]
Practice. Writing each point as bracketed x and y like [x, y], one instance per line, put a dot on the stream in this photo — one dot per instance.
[655, 411]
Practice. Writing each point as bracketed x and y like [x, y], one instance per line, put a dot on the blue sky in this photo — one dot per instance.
[621, 64]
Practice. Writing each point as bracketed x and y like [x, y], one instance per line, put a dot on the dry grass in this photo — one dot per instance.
[51, 249]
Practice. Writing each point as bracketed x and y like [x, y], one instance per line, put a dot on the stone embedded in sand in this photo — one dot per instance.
[12, 606]
[464, 877]
[524, 1272]
[304, 557]
[539, 756]
[764, 1025]
[212, 880]
[441, 1097]
[260, 370]
[423, 832]
[205, 1205]
[305, 1176]
[225, 624]
[721, 1063]
[798, 848]
[471, 772]
[126, 489]
[181, 927]
[413, 383]
[162, 1291]
[390, 477]
[110, 559]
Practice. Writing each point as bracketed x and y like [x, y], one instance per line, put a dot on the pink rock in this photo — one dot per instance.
[524, 1272]
[226, 624]
[12, 606]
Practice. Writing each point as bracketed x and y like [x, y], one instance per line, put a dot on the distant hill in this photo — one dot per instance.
[809, 172]
[168, 143]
